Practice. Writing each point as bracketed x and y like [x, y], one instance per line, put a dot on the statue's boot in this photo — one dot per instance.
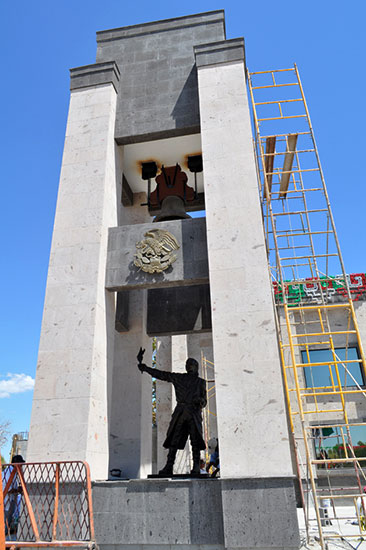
[168, 468]
[196, 453]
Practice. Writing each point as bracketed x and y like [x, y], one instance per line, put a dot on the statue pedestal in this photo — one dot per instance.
[201, 514]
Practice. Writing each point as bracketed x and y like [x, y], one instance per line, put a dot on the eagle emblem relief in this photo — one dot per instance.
[154, 254]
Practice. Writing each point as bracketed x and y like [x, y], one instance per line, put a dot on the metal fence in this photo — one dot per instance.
[47, 504]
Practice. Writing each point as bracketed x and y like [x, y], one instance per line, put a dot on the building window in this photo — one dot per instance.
[321, 376]
[333, 442]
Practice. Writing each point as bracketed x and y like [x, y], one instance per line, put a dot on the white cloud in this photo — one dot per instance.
[15, 383]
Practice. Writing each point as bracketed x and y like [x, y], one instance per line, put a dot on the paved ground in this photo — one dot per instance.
[345, 524]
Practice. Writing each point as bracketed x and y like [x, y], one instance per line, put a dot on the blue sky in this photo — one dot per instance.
[41, 40]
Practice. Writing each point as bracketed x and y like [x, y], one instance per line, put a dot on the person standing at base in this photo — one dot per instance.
[213, 449]
[12, 501]
[191, 395]
[361, 510]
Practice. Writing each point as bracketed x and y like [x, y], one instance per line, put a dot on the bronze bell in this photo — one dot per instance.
[172, 208]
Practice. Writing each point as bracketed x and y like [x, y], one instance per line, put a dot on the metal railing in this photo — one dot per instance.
[47, 504]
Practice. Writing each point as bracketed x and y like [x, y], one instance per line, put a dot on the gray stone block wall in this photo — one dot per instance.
[190, 267]
[260, 513]
[157, 512]
[205, 514]
[181, 310]
[158, 96]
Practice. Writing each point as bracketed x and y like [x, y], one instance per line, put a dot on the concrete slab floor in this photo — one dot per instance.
[342, 525]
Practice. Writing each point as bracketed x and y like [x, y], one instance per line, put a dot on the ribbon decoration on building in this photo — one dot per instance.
[332, 289]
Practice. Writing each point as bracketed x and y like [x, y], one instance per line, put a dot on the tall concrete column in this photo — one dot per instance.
[252, 426]
[164, 394]
[69, 414]
[130, 437]
[131, 409]
[200, 347]
[179, 358]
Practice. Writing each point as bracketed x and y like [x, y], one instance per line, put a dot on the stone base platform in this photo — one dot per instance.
[179, 476]
[190, 514]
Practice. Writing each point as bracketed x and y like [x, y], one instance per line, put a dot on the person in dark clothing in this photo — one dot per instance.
[12, 500]
[190, 392]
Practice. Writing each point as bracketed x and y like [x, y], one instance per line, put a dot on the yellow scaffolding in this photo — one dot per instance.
[209, 412]
[312, 317]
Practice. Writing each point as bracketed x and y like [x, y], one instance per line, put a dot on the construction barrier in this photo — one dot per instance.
[47, 504]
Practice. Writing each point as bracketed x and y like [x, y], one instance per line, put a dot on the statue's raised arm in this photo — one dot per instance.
[140, 357]
[156, 373]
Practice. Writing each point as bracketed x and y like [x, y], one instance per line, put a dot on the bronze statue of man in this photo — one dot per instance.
[190, 391]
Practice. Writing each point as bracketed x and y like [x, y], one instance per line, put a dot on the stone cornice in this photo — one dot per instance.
[95, 75]
[225, 51]
[161, 26]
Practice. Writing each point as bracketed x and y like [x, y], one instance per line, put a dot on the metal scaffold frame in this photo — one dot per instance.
[208, 369]
[303, 250]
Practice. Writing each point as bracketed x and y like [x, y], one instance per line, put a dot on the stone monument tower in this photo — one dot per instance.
[158, 127]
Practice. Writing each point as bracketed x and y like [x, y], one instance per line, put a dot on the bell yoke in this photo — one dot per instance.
[191, 396]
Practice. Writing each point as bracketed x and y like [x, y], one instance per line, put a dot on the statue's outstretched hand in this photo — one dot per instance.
[140, 357]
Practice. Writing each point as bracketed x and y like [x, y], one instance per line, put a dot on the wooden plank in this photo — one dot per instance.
[287, 164]
[269, 160]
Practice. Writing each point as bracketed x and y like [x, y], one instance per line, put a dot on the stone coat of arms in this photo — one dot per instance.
[154, 254]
